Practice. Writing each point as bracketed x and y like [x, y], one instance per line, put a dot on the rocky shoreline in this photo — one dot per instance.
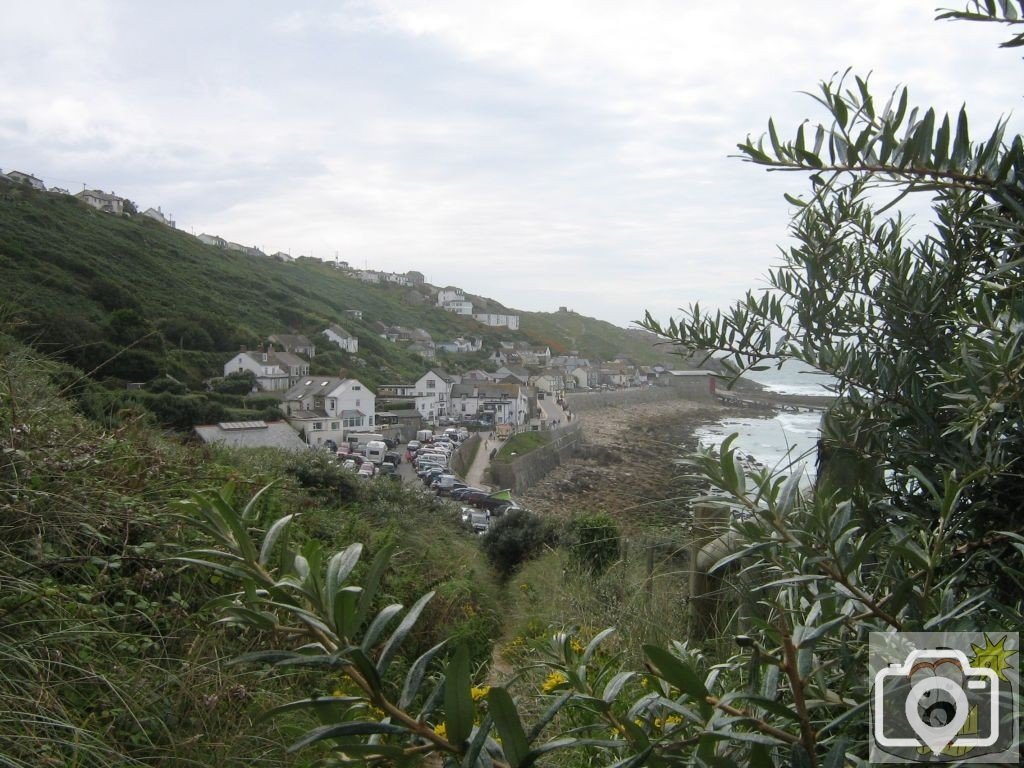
[628, 466]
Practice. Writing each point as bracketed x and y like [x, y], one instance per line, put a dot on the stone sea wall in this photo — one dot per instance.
[523, 471]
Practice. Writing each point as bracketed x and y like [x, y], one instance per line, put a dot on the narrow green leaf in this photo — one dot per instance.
[836, 757]
[674, 670]
[372, 583]
[414, 678]
[407, 623]
[458, 702]
[478, 738]
[272, 536]
[611, 691]
[510, 727]
[348, 729]
[376, 628]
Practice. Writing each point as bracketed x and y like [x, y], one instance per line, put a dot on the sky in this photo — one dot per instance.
[544, 154]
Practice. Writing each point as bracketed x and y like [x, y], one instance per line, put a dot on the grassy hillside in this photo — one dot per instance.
[127, 298]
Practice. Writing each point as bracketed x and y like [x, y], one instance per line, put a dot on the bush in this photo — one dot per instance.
[593, 542]
[514, 538]
[238, 383]
[319, 471]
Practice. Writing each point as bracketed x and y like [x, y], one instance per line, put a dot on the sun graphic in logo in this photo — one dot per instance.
[994, 656]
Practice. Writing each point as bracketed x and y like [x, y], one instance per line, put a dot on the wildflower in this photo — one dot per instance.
[553, 682]
[576, 645]
[441, 730]
[479, 692]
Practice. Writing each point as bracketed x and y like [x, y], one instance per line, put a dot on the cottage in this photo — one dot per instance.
[26, 178]
[213, 240]
[157, 215]
[101, 201]
[295, 343]
[274, 371]
[345, 340]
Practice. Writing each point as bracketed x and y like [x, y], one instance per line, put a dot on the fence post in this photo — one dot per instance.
[708, 524]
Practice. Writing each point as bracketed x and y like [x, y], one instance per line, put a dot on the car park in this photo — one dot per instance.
[474, 497]
[480, 521]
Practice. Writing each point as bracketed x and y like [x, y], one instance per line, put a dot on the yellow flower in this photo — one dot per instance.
[577, 646]
[479, 692]
[441, 730]
[553, 682]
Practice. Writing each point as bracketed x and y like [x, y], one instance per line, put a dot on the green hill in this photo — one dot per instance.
[128, 299]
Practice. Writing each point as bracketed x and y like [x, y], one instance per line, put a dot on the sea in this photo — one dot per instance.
[786, 442]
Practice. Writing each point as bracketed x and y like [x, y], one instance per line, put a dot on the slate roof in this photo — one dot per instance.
[252, 434]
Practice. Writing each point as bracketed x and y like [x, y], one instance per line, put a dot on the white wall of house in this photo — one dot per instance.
[330, 412]
[347, 343]
[433, 395]
[497, 321]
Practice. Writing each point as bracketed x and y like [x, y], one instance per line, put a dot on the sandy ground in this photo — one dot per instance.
[627, 467]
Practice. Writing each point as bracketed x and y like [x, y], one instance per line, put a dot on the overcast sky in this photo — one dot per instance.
[540, 153]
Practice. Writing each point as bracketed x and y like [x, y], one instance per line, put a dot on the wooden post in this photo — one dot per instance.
[708, 526]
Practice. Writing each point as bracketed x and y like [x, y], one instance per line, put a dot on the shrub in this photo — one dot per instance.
[514, 538]
[593, 542]
[319, 471]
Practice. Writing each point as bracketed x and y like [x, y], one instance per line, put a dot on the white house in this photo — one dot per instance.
[356, 314]
[274, 371]
[214, 240]
[158, 215]
[507, 403]
[101, 201]
[345, 340]
[432, 392]
[368, 275]
[453, 300]
[26, 178]
[497, 320]
[328, 408]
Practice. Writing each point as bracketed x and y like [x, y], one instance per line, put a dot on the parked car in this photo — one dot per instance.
[474, 497]
[394, 457]
[350, 465]
[459, 493]
[480, 521]
[389, 470]
[366, 470]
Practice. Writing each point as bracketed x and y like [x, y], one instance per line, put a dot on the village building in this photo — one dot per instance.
[101, 201]
[274, 371]
[328, 408]
[500, 403]
[295, 343]
[214, 240]
[251, 434]
[18, 177]
[345, 340]
[157, 215]
[496, 320]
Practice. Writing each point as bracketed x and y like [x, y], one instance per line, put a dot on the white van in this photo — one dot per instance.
[375, 450]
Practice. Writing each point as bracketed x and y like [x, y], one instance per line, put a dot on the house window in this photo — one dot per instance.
[317, 426]
[335, 426]
[430, 383]
[463, 407]
[318, 403]
[356, 388]
[357, 403]
[332, 404]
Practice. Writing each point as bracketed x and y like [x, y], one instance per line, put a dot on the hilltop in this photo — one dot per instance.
[127, 298]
